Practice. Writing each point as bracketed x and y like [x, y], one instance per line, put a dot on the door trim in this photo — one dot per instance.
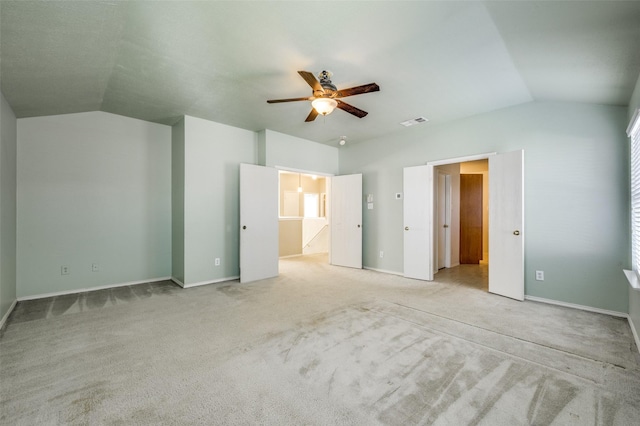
[305, 172]
[461, 159]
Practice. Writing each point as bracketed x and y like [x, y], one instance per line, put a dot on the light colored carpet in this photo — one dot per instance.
[318, 345]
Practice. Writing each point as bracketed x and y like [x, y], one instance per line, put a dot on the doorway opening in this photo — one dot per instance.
[505, 208]
[303, 214]
[461, 219]
[340, 209]
[461, 214]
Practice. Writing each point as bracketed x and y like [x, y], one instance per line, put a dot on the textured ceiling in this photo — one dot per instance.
[222, 60]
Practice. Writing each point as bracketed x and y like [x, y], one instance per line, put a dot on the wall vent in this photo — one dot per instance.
[414, 121]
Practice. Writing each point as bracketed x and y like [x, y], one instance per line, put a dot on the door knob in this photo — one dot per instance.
[445, 226]
[244, 227]
[358, 225]
[516, 232]
[406, 228]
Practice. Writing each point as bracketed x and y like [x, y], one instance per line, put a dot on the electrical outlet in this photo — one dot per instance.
[95, 267]
[539, 275]
[217, 261]
[381, 254]
[64, 270]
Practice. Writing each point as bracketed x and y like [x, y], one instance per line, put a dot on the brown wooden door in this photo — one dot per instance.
[470, 218]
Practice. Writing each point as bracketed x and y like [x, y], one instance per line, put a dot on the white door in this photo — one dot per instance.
[258, 222]
[506, 224]
[442, 221]
[418, 230]
[346, 221]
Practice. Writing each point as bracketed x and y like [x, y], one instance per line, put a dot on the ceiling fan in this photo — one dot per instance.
[325, 95]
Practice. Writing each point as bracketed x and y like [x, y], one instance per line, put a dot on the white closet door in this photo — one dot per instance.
[346, 221]
[258, 222]
[506, 224]
[442, 226]
[418, 230]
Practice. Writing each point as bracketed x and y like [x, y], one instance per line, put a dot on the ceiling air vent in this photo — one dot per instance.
[414, 121]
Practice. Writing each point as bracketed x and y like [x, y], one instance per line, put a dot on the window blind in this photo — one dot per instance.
[634, 134]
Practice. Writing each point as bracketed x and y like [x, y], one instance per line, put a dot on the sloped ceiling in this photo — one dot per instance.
[221, 61]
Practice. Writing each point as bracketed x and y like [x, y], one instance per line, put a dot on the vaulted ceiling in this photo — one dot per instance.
[221, 61]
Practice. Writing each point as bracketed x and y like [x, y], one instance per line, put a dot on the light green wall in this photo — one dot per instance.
[95, 187]
[634, 102]
[8, 140]
[576, 192]
[142, 200]
[92, 188]
[634, 295]
[177, 201]
[280, 150]
[213, 153]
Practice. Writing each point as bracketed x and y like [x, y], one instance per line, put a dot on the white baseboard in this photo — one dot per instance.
[290, 256]
[6, 316]
[384, 271]
[635, 333]
[177, 281]
[84, 290]
[220, 280]
[574, 306]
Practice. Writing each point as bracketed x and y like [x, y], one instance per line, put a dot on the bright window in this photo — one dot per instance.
[310, 205]
[634, 134]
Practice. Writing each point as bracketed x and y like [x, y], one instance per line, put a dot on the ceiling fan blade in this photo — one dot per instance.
[358, 90]
[312, 115]
[351, 109]
[277, 101]
[311, 80]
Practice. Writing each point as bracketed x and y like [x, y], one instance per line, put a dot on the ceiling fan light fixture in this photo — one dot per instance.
[324, 95]
[324, 106]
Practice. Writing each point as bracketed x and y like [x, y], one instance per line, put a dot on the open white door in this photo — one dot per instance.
[506, 224]
[258, 222]
[418, 230]
[346, 221]
[442, 207]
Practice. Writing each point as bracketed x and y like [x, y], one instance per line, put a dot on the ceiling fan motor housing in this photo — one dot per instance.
[325, 82]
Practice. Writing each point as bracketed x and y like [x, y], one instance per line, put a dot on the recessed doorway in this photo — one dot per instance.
[505, 221]
[261, 207]
[303, 219]
[462, 203]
